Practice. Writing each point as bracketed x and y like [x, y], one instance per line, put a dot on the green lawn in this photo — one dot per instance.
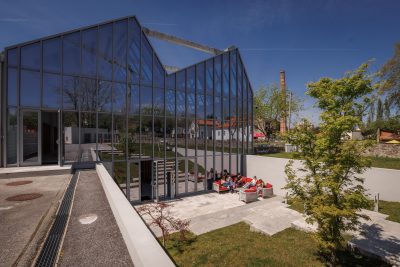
[236, 245]
[379, 162]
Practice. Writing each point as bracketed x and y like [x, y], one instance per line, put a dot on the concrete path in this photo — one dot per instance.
[24, 224]
[94, 243]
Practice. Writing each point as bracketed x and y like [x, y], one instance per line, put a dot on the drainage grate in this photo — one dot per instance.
[48, 254]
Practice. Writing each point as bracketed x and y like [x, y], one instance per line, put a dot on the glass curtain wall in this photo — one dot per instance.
[119, 106]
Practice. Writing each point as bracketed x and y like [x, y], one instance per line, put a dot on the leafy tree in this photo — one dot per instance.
[390, 74]
[379, 110]
[268, 106]
[327, 182]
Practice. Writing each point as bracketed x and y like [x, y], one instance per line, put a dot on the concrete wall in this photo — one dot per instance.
[272, 170]
[384, 150]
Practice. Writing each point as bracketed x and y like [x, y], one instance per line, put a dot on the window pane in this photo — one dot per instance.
[87, 92]
[52, 55]
[105, 51]
[120, 44]
[88, 136]
[133, 51]
[133, 136]
[158, 101]
[146, 137]
[146, 100]
[12, 86]
[159, 137]
[217, 76]
[200, 106]
[51, 90]
[71, 136]
[134, 99]
[104, 137]
[119, 136]
[200, 77]
[30, 88]
[70, 93]
[170, 103]
[191, 104]
[209, 107]
[209, 77]
[226, 74]
[119, 97]
[104, 96]
[190, 80]
[171, 81]
[233, 74]
[180, 104]
[147, 62]
[12, 136]
[89, 43]
[72, 53]
[12, 57]
[158, 73]
[31, 56]
[180, 81]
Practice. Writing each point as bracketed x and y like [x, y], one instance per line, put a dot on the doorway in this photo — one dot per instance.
[50, 137]
[146, 173]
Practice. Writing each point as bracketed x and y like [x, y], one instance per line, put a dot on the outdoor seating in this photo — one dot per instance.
[267, 191]
[248, 195]
[218, 187]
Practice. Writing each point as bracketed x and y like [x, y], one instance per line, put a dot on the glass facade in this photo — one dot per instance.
[101, 94]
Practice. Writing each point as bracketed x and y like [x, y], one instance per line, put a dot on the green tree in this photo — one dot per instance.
[390, 75]
[327, 182]
[268, 104]
[379, 110]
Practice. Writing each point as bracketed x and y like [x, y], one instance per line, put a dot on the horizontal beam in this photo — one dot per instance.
[180, 41]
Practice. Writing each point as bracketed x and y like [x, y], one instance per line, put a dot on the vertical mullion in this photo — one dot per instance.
[229, 111]
[213, 106]
[195, 128]
[127, 89]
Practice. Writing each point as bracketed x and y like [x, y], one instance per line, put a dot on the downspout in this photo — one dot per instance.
[2, 104]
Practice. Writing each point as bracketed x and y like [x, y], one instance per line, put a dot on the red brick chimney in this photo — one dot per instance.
[283, 91]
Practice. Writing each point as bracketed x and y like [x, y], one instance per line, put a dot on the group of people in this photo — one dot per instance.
[233, 182]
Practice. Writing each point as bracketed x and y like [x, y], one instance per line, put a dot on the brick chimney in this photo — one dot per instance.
[283, 91]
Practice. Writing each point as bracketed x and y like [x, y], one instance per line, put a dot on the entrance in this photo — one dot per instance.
[49, 137]
[146, 173]
[30, 149]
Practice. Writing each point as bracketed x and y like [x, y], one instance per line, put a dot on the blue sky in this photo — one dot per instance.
[308, 39]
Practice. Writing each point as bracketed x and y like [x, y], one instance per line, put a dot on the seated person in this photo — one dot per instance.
[254, 181]
[229, 183]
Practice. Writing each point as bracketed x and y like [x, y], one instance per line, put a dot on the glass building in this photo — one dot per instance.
[101, 94]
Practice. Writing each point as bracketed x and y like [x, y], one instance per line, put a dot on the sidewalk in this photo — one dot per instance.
[98, 243]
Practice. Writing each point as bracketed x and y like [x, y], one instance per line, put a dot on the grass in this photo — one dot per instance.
[390, 208]
[378, 162]
[236, 245]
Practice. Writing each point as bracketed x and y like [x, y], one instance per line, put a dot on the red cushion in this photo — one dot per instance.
[253, 189]
[248, 180]
[223, 188]
[217, 182]
[268, 185]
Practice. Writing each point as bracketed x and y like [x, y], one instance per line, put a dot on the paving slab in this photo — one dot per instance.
[91, 241]
[24, 224]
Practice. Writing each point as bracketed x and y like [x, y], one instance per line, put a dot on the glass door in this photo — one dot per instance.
[30, 141]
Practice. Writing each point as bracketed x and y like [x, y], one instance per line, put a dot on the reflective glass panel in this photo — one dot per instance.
[51, 91]
[133, 136]
[158, 108]
[72, 53]
[190, 80]
[217, 76]
[71, 136]
[146, 100]
[87, 93]
[119, 97]
[104, 136]
[89, 47]
[170, 103]
[12, 136]
[120, 47]
[104, 96]
[146, 136]
[30, 88]
[52, 55]
[147, 62]
[209, 77]
[12, 57]
[31, 56]
[30, 136]
[71, 93]
[105, 51]
[180, 104]
[133, 51]
[200, 77]
[158, 73]
[12, 87]
[119, 136]
[180, 81]
[88, 136]
[134, 108]
[171, 81]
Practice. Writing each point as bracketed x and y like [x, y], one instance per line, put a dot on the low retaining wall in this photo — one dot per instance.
[142, 245]
[384, 150]
[386, 182]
